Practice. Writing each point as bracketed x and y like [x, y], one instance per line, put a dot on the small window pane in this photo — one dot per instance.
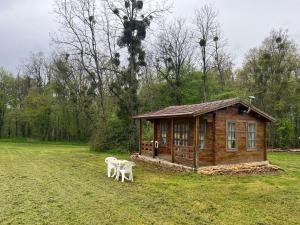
[231, 135]
[181, 134]
[164, 129]
[176, 135]
[251, 135]
[202, 128]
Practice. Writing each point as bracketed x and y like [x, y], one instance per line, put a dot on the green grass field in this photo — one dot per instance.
[67, 184]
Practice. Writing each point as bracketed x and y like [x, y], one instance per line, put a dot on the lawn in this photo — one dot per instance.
[67, 184]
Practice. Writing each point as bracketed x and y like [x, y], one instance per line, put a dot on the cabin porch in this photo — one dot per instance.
[172, 149]
[178, 154]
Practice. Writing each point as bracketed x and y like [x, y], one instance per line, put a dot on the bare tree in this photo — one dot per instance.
[222, 61]
[37, 67]
[206, 24]
[85, 36]
[174, 53]
[211, 44]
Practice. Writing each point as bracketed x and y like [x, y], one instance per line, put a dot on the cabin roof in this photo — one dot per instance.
[200, 109]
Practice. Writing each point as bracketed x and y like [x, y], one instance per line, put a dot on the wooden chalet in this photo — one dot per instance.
[211, 133]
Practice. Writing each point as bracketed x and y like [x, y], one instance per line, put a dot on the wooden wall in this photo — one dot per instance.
[206, 155]
[241, 154]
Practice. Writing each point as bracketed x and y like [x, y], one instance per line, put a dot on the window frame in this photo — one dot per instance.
[178, 135]
[235, 149]
[203, 122]
[165, 125]
[255, 136]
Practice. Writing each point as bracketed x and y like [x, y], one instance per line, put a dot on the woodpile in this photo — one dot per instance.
[283, 150]
[254, 168]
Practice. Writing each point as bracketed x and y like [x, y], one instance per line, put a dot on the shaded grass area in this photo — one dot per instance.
[67, 184]
[37, 141]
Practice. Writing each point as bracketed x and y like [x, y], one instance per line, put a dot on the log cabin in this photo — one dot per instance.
[212, 133]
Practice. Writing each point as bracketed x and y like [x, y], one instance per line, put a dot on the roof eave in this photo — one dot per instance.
[258, 111]
[163, 116]
[253, 108]
[198, 113]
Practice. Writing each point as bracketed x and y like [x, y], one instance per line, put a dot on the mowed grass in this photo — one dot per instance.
[67, 184]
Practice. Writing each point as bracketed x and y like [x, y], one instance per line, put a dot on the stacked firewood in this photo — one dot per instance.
[240, 169]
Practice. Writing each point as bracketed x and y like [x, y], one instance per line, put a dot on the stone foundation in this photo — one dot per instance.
[161, 163]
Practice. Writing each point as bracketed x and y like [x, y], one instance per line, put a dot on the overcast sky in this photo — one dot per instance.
[26, 24]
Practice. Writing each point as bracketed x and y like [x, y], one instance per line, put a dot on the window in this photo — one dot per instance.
[202, 128]
[163, 132]
[181, 134]
[185, 134]
[251, 135]
[177, 134]
[231, 135]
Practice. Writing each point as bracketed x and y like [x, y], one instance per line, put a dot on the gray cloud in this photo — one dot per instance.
[25, 25]
[246, 23]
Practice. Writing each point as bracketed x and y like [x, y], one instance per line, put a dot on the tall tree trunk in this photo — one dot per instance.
[204, 70]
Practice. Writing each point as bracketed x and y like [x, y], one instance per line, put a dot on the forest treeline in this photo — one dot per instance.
[114, 59]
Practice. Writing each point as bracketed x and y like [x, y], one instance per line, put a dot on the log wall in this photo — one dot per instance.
[241, 154]
[184, 155]
[206, 155]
